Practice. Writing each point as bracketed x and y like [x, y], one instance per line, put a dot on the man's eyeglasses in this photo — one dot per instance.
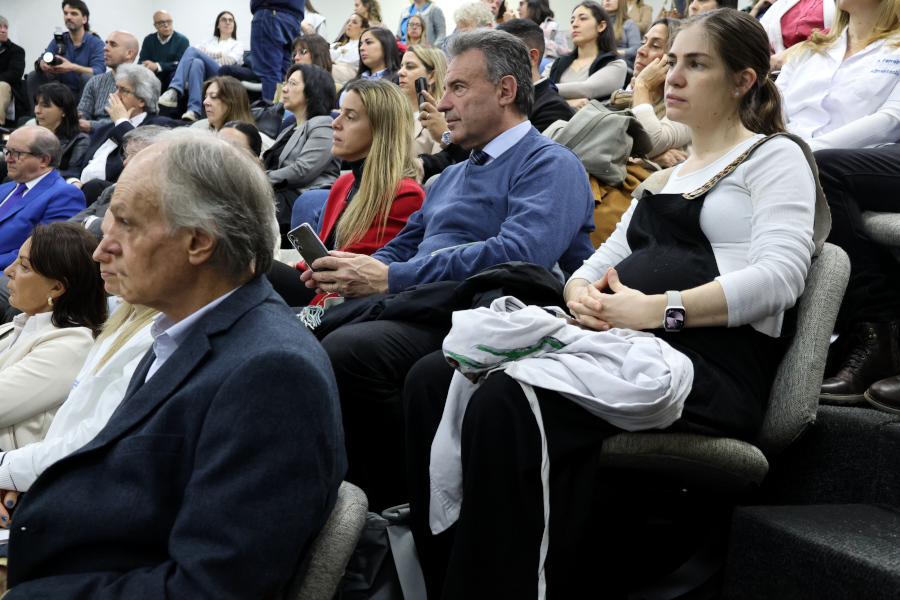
[165, 23]
[123, 91]
[16, 154]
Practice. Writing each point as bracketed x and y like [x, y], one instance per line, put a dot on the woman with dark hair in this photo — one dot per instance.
[55, 109]
[199, 63]
[224, 99]
[555, 43]
[735, 227]
[57, 286]
[379, 56]
[594, 69]
[301, 159]
[311, 49]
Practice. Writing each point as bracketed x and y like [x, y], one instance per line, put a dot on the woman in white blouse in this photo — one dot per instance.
[98, 390]
[719, 255]
[345, 50]
[840, 89]
[56, 284]
[594, 69]
[199, 63]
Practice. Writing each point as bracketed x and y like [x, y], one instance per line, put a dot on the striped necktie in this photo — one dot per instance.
[479, 157]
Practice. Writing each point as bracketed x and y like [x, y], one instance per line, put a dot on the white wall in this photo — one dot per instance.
[32, 22]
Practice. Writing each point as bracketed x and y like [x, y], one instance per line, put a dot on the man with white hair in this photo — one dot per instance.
[224, 459]
[121, 48]
[473, 15]
[12, 67]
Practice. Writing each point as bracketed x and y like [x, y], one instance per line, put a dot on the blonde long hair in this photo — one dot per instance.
[118, 324]
[435, 61]
[423, 39]
[886, 25]
[621, 17]
[390, 158]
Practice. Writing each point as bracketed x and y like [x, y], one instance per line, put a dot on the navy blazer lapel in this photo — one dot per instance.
[42, 187]
[142, 398]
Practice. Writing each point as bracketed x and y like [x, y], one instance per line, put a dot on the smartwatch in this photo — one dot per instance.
[674, 318]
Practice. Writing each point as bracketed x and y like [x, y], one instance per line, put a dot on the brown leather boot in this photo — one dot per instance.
[872, 354]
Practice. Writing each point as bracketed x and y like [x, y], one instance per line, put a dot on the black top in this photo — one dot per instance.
[564, 62]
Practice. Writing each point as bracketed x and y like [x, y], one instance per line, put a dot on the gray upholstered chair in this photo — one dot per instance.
[332, 548]
[729, 465]
[883, 228]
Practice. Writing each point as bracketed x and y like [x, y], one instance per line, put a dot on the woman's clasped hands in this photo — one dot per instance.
[594, 307]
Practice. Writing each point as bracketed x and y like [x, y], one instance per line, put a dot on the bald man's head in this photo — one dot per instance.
[162, 20]
[121, 48]
[39, 153]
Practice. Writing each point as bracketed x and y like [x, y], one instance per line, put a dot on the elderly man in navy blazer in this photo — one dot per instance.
[224, 459]
[37, 193]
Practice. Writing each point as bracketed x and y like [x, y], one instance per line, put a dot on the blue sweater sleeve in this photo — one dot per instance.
[404, 246]
[97, 62]
[549, 207]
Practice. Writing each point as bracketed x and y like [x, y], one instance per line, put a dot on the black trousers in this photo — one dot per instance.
[286, 282]
[370, 362]
[855, 181]
[493, 550]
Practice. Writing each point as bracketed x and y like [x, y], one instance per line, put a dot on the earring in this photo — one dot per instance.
[50, 300]
[736, 94]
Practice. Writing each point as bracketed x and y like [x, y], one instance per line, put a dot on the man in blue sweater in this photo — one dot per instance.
[519, 197]
[83, 57]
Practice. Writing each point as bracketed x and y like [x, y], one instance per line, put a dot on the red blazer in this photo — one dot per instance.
[408, 200]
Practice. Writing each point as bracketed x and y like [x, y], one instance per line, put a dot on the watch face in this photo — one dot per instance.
[674, 319]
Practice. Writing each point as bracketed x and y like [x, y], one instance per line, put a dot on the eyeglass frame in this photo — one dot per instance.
[163, 23]
[300, 51]
[224, 19]
[7, 151]
[121, 90]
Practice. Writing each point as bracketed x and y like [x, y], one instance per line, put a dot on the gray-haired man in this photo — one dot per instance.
[224, 459]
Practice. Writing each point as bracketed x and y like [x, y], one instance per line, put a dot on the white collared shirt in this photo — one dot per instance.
[823, 93]
[168, 335]
[29, 185]
[25, 326]
[506, 140]
[96, 168]
[164, 41]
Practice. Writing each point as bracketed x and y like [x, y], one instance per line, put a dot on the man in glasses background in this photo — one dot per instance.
[36, 194]
[161, 51]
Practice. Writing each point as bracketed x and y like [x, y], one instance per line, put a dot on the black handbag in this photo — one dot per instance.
[268, 116]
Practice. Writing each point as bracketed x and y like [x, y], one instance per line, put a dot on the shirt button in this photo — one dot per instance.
[23, 529]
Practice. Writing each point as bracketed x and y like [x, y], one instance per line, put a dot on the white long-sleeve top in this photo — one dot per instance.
[230, 48]
[836, 103]
[759, 222]
[348, 53]
[90, 404]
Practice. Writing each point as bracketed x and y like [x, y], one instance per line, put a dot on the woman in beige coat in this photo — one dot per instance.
[57, 286]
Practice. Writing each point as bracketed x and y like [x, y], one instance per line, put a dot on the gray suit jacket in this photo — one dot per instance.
[306, 162]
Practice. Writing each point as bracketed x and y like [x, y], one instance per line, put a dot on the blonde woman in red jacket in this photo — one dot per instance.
[369, 206]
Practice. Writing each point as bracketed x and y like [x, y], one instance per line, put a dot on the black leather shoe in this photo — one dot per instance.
[872, 355]
[885, 395]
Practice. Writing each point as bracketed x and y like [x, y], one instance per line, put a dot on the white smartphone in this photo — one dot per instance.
[307, 243]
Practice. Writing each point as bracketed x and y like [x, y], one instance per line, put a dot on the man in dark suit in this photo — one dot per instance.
[134, 104]
[12, 67]
[223, 461]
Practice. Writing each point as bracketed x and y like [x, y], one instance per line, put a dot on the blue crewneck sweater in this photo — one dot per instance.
[532, 204]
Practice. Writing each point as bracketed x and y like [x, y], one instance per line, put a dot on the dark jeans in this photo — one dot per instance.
[36, 79]
[239, 73]
[856, 181]
[493, 550]
[271, 34]
[370, 362]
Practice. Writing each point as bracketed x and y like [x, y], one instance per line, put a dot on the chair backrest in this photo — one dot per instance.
[331, 550]
[795, 394]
